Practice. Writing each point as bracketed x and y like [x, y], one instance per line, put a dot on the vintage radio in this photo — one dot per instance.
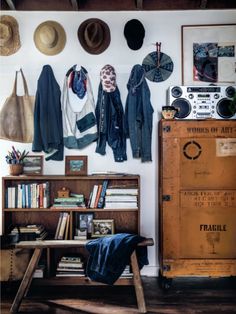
[202, 102]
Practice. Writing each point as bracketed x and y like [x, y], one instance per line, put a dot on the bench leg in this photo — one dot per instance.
[25, 283]
[138, 284]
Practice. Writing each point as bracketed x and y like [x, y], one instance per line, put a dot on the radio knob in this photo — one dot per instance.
[230, 91]
[190, 96]
[216, 96]
[212, 111]
[194, 111]
[176, 91]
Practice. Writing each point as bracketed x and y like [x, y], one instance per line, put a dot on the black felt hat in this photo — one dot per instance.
[134, 33]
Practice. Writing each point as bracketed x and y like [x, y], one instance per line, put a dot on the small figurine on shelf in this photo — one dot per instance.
[64, 192]
[15, 160]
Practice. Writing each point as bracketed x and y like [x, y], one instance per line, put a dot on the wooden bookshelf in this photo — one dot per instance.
[125, 219]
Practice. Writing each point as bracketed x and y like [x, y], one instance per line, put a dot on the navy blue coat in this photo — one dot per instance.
[48, 129]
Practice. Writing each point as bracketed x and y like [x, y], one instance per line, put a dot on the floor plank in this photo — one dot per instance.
[186, 296]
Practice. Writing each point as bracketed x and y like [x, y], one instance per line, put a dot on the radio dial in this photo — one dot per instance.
[216, 96]
[190, 96]
[230, 91]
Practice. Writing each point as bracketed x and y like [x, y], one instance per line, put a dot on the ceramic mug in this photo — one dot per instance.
[169, 112]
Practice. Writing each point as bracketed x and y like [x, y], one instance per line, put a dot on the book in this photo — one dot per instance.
[102, 195]
[58, 226]
[98, 195]
[95, 189]
[62, 226]
[124, 191]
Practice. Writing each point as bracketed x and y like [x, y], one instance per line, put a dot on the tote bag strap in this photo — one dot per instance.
[24, 84]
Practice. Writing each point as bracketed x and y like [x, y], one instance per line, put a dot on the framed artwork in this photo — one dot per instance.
[76, 165]
[208, 54]
[102, 227]
[33, 165]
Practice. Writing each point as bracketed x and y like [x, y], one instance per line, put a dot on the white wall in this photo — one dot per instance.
[164, 27]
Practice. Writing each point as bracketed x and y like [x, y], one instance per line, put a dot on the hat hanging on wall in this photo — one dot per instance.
[94, 35]
[9, 35]
[134, 33]
[157, 65]
[50, 38]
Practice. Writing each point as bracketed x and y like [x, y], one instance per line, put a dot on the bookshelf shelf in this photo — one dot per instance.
[125, 219]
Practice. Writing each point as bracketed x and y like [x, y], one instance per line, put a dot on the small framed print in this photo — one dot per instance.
[76, 165]
[33, 165]
[85, 221]
[102, 227]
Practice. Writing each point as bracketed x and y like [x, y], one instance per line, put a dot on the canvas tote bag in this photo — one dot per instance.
[17, 115]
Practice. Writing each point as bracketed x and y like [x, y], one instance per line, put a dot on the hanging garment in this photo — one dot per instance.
[79, 127]
[139, 115]
[110, 116]
[48, 132]
[17, 115]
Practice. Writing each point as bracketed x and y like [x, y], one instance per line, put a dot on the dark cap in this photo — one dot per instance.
[134, 33]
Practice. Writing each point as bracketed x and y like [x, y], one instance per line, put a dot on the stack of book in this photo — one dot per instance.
[121, 198]
[126, 273]
[30, 232]
[70, 266]
[77, 200]
[62, 229]
[97, 195]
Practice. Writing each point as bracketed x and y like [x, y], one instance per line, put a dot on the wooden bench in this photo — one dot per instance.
[38, 247]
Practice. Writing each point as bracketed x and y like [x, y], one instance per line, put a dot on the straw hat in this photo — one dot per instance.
[94, 35]
[9, 35]
[50, 38]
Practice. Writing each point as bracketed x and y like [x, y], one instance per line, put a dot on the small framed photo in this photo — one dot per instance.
[76, 165]
[85, 221]
[102, 227]
[33, 165]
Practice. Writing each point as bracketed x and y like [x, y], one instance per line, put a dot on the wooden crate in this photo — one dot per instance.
[197, 197]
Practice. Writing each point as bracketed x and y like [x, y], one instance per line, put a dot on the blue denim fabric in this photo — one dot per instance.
[139, 115]
[109, 255]
[110, 119]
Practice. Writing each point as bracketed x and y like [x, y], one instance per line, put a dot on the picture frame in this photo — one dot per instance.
[33, 165]
[85, 220]
[76, 165]
[102, 227]
[208, 54]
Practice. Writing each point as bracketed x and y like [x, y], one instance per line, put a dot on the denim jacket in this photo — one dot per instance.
[110, 119]
[109, 255]
[139, 115]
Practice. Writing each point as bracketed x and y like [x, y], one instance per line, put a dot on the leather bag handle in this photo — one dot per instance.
[24, 83]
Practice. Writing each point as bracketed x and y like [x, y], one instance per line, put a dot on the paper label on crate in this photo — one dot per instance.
[208, 199]
[225, 147]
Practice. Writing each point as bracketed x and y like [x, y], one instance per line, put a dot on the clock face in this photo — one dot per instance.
[157, 72]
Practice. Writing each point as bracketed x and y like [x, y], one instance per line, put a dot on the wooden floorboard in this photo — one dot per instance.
[186, 296]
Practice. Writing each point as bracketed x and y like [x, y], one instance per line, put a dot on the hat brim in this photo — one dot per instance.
[14, 45]
[106, 41]
[59, 46]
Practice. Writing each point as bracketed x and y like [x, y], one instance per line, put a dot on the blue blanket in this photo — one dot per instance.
[109, 255]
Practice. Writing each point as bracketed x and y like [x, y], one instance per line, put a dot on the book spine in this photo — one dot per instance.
[103, 193]
[95, 189]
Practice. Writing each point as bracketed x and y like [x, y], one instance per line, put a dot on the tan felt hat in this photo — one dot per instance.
[50, 38]
[94, 35]
[9, 35]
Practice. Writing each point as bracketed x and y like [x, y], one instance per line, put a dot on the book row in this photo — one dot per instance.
[32, 195]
